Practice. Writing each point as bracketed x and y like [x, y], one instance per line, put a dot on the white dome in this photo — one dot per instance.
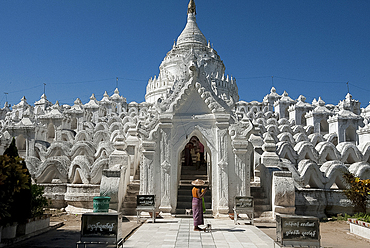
[191, 48]
[191, 33]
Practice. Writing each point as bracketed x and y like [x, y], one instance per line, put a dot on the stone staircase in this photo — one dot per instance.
[262, 208]
[184, 196]
[129, 203]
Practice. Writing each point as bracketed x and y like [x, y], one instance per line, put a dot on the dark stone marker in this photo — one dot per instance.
[297, 230]
[145, 201]
[243, 205]
[243, 202]
[100, 227]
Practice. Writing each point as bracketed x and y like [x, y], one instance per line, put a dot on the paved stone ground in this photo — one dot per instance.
[66, 236]
[180, 233]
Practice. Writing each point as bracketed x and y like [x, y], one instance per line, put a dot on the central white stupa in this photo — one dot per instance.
[190, 48]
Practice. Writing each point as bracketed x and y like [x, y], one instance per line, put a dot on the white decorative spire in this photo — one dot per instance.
[77, 101]
[191, 33]
[321, 102]
[105, 97]
[191, 7]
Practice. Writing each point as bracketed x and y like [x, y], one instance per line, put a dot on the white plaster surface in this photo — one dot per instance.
[360, 230]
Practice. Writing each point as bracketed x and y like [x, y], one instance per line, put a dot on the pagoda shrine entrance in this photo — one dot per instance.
[195, 163]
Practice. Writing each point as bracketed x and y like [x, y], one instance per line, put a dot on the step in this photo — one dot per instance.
[261, 201]
[262, 208]
[188, 187]
[186, 205]
[193, 177]
[132, 192]
[129, 211]
[181, 211]
[263, 215]
[188, 197]
[193, 169]
[133, 187]
[256, 189]
[188, 183]
[129, 202]
[129, 205]
[267, 214]
[257, 192]
[184, 198]
[255, 184]
[208, 216]
[137, 174]
[130, 198]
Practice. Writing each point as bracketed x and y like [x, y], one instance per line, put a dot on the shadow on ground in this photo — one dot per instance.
[59, 238]
[227, 230]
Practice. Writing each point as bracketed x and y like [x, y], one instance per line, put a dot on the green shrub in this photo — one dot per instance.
[38, 201]
[359, 216]
[363, 217]
[357, 192]
[341, 217]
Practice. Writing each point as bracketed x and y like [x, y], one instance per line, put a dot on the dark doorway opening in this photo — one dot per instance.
[194, 161]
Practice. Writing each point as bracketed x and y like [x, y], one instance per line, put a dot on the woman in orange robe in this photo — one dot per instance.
[197, 208]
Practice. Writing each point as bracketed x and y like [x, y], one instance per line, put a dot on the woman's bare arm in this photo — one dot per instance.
[202, 193]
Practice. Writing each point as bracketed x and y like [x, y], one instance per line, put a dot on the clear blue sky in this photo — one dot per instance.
[79, 47]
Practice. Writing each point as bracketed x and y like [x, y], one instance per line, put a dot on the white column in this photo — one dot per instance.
[165, 205]
[147, 168]
[242, 151]
[222, 169]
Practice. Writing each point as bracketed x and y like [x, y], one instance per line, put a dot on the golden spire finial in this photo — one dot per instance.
[191, 7]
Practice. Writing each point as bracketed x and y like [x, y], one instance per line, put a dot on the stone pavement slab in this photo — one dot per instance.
[180, 233]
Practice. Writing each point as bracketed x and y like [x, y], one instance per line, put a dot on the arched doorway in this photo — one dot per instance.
[21, 145]
[74, 123]
[324, 126]
[351, 134]
[303, 119]
[194, 163]
[50, 133]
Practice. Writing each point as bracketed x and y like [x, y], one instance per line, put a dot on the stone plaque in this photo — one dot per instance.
[243, 202]
[244, 205]
[99, 225]
[145, 201]
[297, 230]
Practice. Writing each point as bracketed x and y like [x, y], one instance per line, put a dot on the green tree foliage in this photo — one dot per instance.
[357, 192]
[19, 199]
[12, 150]
[38, 201]
[21, 206]
[13, 178]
